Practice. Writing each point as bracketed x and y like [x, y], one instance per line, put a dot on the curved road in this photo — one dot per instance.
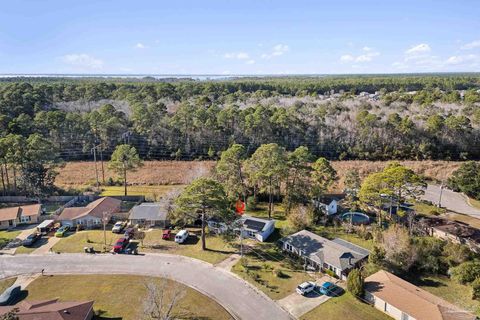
[451, 200]
[238, 297]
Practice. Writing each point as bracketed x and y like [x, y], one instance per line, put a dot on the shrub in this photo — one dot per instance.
[476, 289]
[466, 272]
[300, 217]
[279, 273]
[251, 203]
[330, 273]
[355, 283]
[244, 262]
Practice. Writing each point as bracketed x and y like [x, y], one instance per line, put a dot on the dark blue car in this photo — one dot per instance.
[10, 295]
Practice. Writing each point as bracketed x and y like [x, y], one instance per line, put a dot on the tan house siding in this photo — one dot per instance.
[386, 307]
[4, 225]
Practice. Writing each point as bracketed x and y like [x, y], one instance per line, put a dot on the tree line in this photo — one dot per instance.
[200, 119]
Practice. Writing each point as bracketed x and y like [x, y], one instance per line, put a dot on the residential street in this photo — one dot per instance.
[451, 200]
[237, 296]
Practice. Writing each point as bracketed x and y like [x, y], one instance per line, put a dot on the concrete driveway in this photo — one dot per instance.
[451, 200]
[298, 305]
[241, 299]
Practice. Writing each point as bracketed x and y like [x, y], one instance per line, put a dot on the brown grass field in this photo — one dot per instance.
[77, 174]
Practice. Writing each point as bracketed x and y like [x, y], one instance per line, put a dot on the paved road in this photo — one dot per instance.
[451, 200]
[239, 298]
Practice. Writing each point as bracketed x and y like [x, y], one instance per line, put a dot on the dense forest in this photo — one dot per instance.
[46, 120]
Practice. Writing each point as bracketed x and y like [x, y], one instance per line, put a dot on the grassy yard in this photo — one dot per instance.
[451, 291]
[122, 296]
[6, 236]
[152, 193]
[75, 241]
[430, 210]
[345, 307]
[270, 271]
[6, 283]
[218, 248]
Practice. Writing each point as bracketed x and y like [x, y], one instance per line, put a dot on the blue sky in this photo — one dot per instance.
[239, 37]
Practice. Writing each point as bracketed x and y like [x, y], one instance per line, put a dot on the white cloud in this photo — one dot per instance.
[367, 56]
[251, 61]
[421, 48]
[237, 55]
[140, 45]
[347, 58]
[277, 50]
[83, 61]
[461, 59]
[471, 45]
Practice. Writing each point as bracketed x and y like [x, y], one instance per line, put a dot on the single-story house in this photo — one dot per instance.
[455, 231]
[403, 301]
[30, 213]
[328, 207]
[256, 228]
[338, 256]
[150, 214]
[91, 215]
[51, 309]
[13, 216]
[250, 227]
[9, 217]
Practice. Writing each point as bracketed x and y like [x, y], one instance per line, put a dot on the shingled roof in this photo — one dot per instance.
[51, 310]
[96, 208]
[411, 299]
[338, 253]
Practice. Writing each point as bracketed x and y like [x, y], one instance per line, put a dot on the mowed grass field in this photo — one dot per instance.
[123, 296]
[217, 248]
[151, 193]
[81, 174]
[74, 242]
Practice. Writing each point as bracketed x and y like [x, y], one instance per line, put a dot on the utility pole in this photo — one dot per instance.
[241, 241]
[440, 196]
[101, 162]
[94, 150]
[104, 231]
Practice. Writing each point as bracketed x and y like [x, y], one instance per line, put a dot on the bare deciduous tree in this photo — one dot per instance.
[161, 299]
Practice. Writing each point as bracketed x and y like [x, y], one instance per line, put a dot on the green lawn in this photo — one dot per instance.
[122, 296]
[451, 291]
[218, 248]
[151, 193]
[6, 236]
[75, 242]
[6, 283]
[262, 264]
[345, 307]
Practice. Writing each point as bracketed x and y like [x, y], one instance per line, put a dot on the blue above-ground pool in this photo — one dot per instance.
[356, 218]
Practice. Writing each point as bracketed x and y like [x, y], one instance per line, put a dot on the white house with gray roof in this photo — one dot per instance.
[150, 214]
[337, 255]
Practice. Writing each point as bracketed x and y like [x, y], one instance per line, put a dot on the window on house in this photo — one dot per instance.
[405, 316]
[10, 222]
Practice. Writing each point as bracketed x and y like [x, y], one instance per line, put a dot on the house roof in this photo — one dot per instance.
[338, 253]
[150, 211]
[96, 208]
[31, 210]
[50, 310]
[256, 224]
[11, 213]
[411, 299]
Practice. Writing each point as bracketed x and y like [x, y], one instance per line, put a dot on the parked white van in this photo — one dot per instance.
[181, 236]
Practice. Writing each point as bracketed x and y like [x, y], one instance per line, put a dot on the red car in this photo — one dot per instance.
[166, 234]
[120, 245]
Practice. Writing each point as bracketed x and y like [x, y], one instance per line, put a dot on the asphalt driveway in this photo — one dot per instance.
[451, 200]
[242, 300]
